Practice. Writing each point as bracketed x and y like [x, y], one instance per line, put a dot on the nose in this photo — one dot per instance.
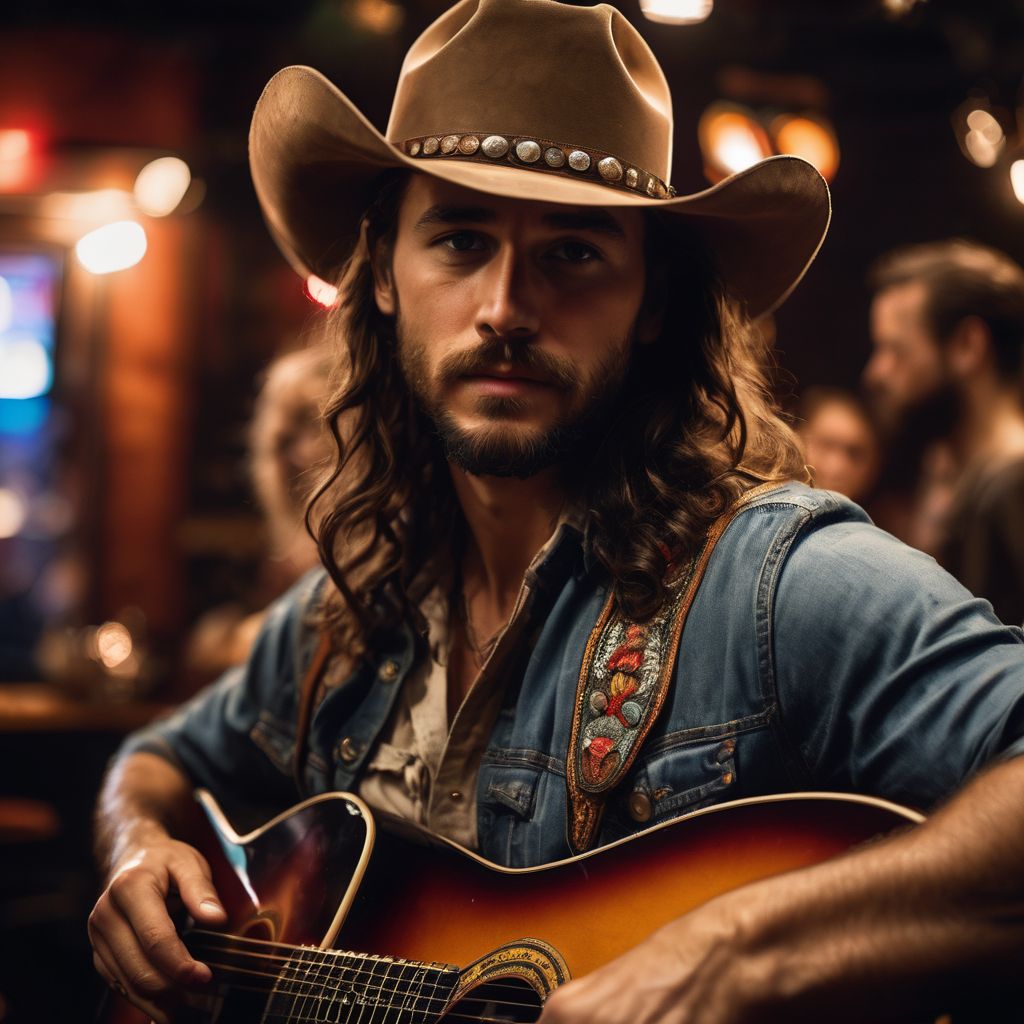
[508, 305]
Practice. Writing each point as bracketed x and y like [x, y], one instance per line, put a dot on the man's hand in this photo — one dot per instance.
[686, 972]
[136, 947]
[926, 922]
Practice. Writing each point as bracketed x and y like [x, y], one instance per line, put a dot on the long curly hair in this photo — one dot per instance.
[693, 428]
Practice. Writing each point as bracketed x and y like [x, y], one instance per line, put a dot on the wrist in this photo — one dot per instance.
[132, 837]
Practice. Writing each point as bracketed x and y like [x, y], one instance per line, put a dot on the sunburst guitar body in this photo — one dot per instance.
[331, 923]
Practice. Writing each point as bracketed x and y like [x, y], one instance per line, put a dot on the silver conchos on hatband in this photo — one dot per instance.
[495, 146]
[610, 169]
[579, 161]
[528, 151]
[539, 154]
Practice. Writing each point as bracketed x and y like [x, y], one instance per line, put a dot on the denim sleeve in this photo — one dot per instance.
[891, 678]
[237, 736]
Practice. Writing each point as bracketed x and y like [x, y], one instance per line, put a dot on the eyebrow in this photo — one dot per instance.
[455, 215]
[591, 220]
[597, 221]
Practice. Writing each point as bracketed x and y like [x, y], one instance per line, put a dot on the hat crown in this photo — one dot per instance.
[578, 76]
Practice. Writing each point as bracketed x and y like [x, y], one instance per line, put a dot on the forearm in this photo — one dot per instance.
[924, 916]
[144, 798]
[903, 929]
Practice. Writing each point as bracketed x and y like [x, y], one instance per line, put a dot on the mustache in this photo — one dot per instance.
[524, 355]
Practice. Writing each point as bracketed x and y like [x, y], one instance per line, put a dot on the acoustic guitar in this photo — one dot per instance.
[327, 924]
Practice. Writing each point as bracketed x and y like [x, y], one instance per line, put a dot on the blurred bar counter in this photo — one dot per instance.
[45, 707]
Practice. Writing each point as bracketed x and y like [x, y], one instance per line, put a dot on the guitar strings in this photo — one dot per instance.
[333, 958]
[402, 1006]
[322, 984]
[270, 1014]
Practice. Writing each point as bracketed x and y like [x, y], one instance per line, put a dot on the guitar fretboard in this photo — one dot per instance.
[304, 984]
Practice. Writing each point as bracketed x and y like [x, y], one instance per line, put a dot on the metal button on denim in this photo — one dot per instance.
[349, 749]
[640, 806]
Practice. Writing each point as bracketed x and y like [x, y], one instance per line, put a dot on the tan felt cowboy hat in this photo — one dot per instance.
[531, 99]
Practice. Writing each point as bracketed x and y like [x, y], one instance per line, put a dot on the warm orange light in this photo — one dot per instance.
[731, 140]
[113, 644]
[1017, 179]
[15, 158]
[161, 185]
[320, 291]
[15, 144]
[677, 12]
[383, 17]
[809, 137]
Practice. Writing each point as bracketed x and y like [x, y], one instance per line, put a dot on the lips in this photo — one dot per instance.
[513, 375]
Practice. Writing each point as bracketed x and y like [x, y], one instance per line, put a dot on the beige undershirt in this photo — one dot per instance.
[420, 769]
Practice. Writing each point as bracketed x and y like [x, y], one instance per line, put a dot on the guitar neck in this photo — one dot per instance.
[306, 983]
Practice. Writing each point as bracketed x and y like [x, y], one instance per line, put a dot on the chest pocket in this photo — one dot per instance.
[508, 825]
[670, 782]
[276, 739]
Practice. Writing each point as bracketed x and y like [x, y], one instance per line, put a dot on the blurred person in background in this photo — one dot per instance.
[947, 376]
[288, 445]
[840, 442]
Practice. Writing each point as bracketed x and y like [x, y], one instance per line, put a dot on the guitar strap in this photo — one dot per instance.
[306, 701]
[627, 670]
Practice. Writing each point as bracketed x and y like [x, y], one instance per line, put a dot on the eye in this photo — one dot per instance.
[575, 252]
[463, 241]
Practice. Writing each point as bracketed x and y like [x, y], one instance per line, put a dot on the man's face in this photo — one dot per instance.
[515, 320]
[907, 371]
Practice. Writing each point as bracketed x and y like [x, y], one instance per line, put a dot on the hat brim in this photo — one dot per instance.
[315, 160]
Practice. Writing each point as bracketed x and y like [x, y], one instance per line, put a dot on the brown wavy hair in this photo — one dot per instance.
[693, 428]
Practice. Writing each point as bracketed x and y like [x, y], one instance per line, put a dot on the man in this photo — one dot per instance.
[947, 324]
[551, 423]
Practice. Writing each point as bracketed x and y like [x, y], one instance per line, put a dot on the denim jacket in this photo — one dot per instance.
[819, 653]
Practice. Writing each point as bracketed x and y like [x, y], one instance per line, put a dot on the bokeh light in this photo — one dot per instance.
[112, 247]
[15, 157]
[985, 138]
[731, 140]
[809, 137]
[161, 185]
[1017, 179]
[26, 370]
[677, 12]
[113, 644]
[13, 513]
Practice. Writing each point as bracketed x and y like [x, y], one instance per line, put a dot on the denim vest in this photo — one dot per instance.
[819, 653]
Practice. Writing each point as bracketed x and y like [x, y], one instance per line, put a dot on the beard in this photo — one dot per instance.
[930, 417]
[505, 446]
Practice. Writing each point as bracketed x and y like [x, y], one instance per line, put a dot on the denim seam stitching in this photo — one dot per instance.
[765, 626]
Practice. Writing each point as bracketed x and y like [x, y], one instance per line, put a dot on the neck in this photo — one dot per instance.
[509, 521]
[991, 424]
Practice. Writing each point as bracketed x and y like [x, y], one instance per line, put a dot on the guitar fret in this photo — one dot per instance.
[315, 986]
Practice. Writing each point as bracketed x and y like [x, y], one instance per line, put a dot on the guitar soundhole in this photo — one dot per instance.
[508, 1000]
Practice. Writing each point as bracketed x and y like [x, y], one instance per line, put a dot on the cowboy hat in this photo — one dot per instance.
[531, 99]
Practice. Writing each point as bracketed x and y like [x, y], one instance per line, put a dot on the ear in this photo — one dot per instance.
[969, 348]
[383, 279]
